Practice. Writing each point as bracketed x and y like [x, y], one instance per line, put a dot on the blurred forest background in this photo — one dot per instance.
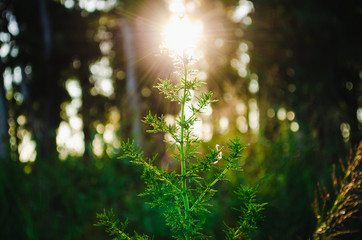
[76, 78]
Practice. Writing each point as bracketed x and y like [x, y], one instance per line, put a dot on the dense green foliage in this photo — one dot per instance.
[184, 197]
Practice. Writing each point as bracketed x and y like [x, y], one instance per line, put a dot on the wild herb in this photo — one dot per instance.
[334, 209]
[184, 197]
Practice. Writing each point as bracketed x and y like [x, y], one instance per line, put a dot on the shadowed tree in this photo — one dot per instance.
[4, 136]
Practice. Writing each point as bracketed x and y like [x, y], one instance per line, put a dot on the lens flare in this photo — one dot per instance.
[182, 36]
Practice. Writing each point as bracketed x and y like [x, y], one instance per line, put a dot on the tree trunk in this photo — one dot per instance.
[47, 133]
[131, 82]
[4, 136]
[85, 112]
[27, 100]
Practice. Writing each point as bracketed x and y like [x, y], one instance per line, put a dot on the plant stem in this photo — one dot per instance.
[221, 175]
[123, 235]
[183, 160]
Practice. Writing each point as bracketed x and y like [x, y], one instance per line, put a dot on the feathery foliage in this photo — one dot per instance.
[184, 197]
[344, 202]
[249, 214]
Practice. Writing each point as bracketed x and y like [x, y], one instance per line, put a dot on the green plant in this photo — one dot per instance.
[184, 197]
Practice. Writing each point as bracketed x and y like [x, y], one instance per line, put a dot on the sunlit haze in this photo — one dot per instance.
[182, 35]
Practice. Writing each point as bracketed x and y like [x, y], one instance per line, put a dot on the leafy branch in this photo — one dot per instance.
[116, 228]
[249, 214]
[184, 197]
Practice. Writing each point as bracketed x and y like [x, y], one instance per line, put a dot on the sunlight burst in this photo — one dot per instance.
[182, 36]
